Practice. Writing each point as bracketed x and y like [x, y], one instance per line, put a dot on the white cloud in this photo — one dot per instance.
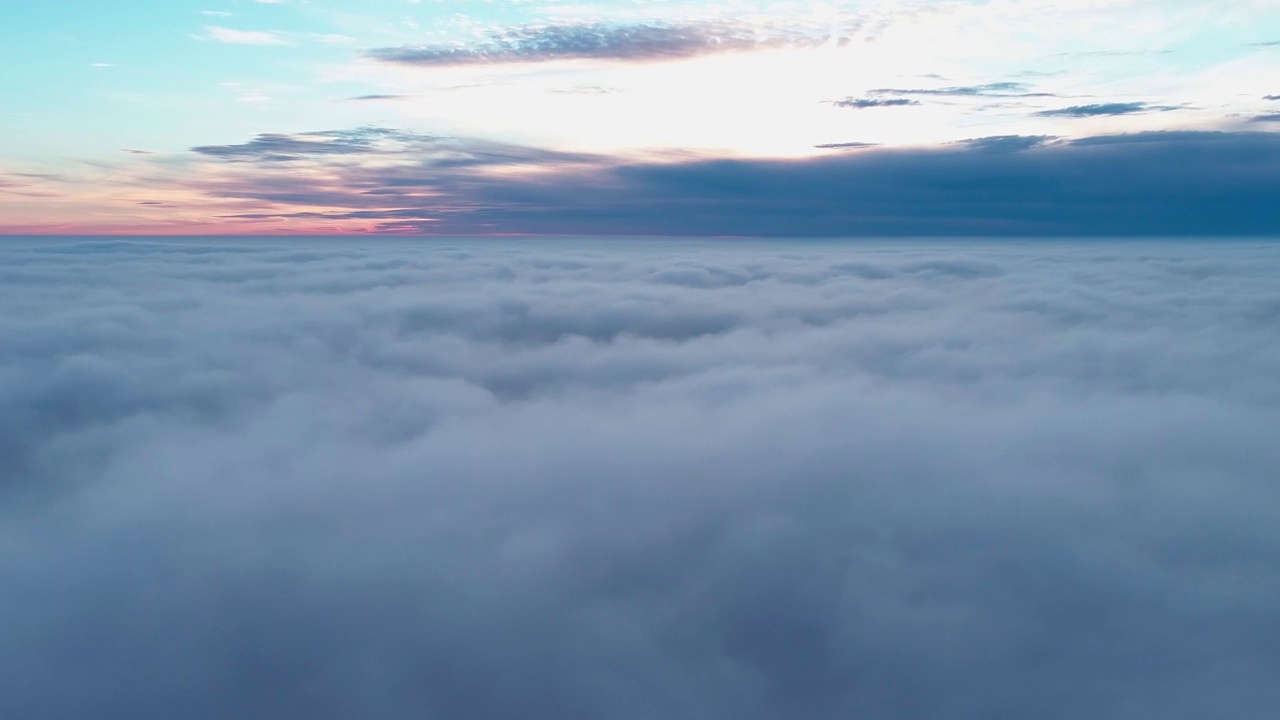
[272, 37]
[638, 479]
[331, 38]
[773, 103]
[245, 37]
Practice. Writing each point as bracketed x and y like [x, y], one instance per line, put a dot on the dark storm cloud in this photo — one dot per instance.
[862, 103]
[604, 480]
[632, 43]
[1116, 108]
[1179, 183]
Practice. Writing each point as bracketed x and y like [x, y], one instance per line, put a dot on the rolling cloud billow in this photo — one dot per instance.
[620, 480]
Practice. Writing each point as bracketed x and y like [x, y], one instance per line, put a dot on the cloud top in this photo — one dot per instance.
[625, 480]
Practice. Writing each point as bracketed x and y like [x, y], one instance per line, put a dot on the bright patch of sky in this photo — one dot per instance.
[168, 75]
[746, 78]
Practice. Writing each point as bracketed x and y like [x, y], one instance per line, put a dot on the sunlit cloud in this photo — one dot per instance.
[630, 43]
[671, 84]
[244, 37]
[396, 181]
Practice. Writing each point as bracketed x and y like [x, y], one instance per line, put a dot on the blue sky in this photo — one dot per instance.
[107, 102]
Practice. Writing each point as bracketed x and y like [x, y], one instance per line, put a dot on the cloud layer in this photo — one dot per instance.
[627, 480]
[1171, 183]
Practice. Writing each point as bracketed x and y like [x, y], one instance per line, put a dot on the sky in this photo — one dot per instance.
[900, 117]
[606, 479]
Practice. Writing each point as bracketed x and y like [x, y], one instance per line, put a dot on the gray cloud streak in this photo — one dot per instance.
[854, 145]
[278, 147]
[632, 43]
[1105, 109]
[621, 480]
[863, 103]
[993, 89]
[377, 142]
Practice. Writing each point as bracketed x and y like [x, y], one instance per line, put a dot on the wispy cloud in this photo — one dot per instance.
[245, 37]
[641, 42]
[376, 97]
[587, 90]
[276, 147]
[863, 103]
[329, 38]
[418, 150]
[1104, 109]
[1008, 143]
[1111, 53]
[995, 89]
[1268, 118]
[30, 185]
[846, 146]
